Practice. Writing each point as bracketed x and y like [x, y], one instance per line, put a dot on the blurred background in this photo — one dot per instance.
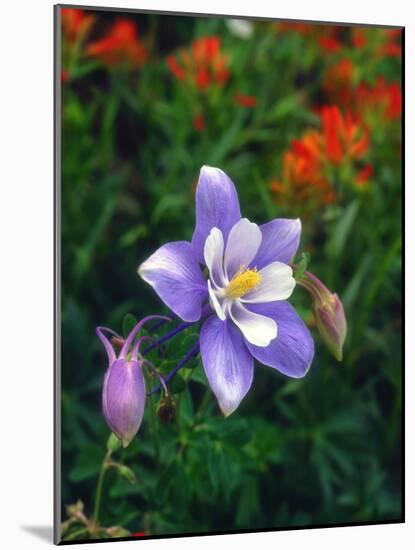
[306, 120]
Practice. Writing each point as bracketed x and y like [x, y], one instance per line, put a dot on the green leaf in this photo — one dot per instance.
[186, 407]
[179, 346]
[302, 265]
[178, 384]
[341, 230]
[128, 323]
[169, 203]
[199, 375]
[133, 235]
[218, 466]
[87, 463]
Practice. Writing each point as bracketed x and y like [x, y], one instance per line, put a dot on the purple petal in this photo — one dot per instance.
[175, 275]
[107, 344]
[280, 240]
[228, 365]
[123, 398]
[292, 351]
[130, 338]
[217, 205]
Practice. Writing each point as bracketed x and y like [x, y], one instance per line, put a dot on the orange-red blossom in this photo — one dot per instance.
[383, 99]
[121, 45]
[202, 65]
[75, 23]
[308, 162]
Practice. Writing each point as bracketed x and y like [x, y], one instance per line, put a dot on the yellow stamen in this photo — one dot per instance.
[243, 282]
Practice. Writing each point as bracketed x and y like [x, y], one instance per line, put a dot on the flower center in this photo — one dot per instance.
[242, 282]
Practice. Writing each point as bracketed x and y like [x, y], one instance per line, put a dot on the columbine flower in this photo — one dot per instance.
[247, 284]
[124, 391]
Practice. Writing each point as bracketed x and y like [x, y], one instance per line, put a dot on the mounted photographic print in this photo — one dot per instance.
[228, 274]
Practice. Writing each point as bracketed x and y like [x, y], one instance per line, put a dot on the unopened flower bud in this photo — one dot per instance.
[123, 399]
[329, 314]
[124, 391]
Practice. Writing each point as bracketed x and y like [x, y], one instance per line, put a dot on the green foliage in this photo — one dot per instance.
[320, 450]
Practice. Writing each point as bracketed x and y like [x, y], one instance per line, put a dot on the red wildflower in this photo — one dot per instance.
[303, 180]
[202, 65]
[308, 163]
[64, 75]
[247, 101]
[175, 68]
[338, 82]
[392, 46]
[75, 23]
[363, 175]
[382, 97]
[121, 45]
[344, 136]
[330, 44]
[358, 37]
[199, 123]
[202, 78]
[394, 102]
[139, 534]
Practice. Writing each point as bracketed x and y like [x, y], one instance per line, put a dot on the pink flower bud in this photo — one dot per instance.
[124, 391]
[329, 314]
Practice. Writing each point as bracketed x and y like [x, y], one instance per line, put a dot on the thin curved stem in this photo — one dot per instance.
[155, 371]
[138, 326]
[205, 312]
[191, 353]
[137, 345]
[159, 324]
[98, 493]
[167, 336]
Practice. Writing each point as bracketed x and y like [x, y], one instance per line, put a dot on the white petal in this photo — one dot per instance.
[257, 329]
[215, 303]
[213, 253]
[277, 283]
[243, 243]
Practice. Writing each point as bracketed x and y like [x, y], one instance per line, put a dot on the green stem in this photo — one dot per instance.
[154, 429]
[98, 493]
[203, 404]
